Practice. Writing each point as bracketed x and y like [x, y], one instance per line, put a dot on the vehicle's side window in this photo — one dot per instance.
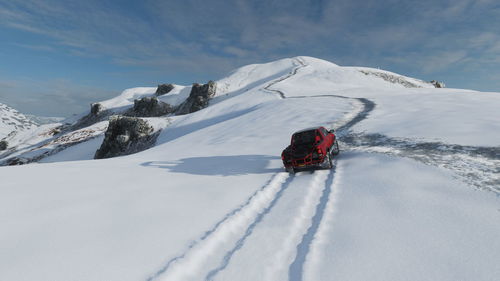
[324, 131]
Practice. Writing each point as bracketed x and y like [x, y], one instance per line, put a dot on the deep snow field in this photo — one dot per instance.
[413, 195]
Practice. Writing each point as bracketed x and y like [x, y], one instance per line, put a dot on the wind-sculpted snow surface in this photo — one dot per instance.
[478, 166]
[211, 200]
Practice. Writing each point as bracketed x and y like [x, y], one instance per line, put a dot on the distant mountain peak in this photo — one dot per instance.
[12, 121]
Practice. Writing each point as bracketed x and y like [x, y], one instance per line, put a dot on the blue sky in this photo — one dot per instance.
[58, 56]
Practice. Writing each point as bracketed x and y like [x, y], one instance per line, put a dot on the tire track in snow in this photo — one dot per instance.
[295, 271]
[365, 107]
[227, 257]
[210, 231]
[277, 268]
[323, 235]
[301, 64]
[199, 252]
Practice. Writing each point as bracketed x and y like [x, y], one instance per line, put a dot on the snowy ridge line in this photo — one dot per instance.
[241, 242]
[295, 271]
[209, 232]
[200, 256]
[52, 146]
[297, 229]
[323, 235]
[294, 71]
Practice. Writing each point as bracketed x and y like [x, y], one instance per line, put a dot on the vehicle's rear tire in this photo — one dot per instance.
[327, 163]
[335, 150]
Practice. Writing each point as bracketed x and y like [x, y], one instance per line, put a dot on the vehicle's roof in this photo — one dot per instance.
[308, 129]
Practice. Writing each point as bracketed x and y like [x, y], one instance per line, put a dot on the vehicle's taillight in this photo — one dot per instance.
[319, 151]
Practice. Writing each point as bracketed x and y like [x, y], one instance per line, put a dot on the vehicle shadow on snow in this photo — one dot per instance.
[233, 165]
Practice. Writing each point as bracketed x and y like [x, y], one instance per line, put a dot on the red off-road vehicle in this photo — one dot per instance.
[310, 148]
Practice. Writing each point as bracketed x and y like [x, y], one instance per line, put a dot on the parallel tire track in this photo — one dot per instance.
[239, 244]
[295, 271]
[196, 256]
[209, 232]
[278, 266]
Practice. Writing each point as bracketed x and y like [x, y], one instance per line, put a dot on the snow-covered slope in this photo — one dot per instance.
[126, 99]
[413, 194]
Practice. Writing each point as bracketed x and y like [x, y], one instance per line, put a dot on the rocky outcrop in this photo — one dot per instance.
[97, 113]
[395, 79]
[438, 84]
[164, 89]
[198, 98]
[126, 135]
[3, 145]
[149, 107]
[96, 109]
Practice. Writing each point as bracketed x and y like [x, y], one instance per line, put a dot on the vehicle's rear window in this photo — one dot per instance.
[306, 137]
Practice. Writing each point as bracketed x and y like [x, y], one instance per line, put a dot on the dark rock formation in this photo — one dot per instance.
[149, 107]
[3, 145]
[164, 89]
[96, 108]
[438, 84]
[97, 113]
[126, 135]
[198, 98]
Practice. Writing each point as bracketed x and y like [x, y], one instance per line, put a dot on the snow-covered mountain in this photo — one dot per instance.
[412, 195]
[12, 120]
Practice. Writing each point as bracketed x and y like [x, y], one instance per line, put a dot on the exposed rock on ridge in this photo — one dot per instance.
[198, 98]
[126, 135]
[97, 113]
[149, 107]
[164, 89]
[395, 79]
[438, 84]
